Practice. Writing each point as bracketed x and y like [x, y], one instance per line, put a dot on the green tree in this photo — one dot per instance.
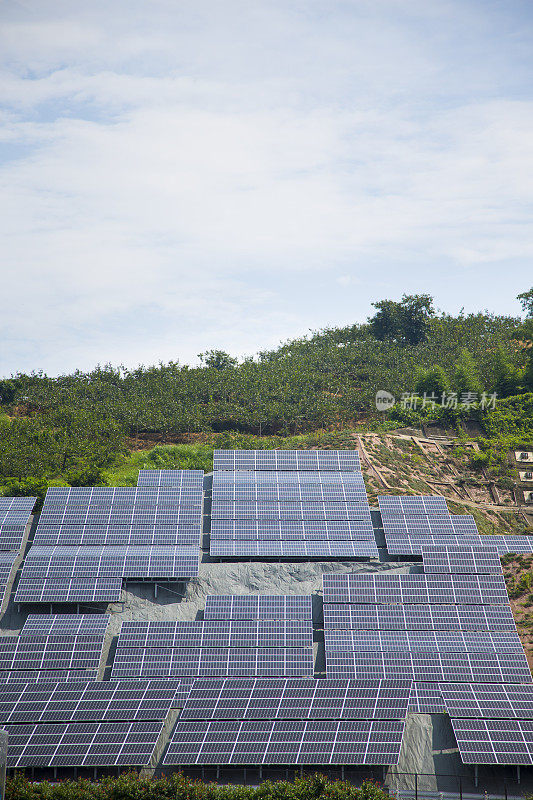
[217, 359]
[432, 381]
[465, 376]
[406, 322]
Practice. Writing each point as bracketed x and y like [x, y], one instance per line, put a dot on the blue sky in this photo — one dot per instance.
[180, 176]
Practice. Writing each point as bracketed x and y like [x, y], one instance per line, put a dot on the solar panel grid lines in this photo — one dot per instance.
[65, 624]
[292, 460]
[48, 676]
[412, 544]
[297, 742]
[418, 526]
[93, 701]
[488, 701]
[122, 515]
[494, 741]
[82, 744]
[222, 661]
[304, 511]
[293, 530]
[111, 562]
[15, 513]
[174, 478]
[237, 548]
[377, 589]
[464, 560]
[289, 492]
[230, 698]
[275, 607]
[50, 652]
[423, 641]
[445, 666]
[68, 590]
[412, 505]
[464, 524]
[419, 617]
[215, 634]
[7, 560]
[426, 698]
[21, 504]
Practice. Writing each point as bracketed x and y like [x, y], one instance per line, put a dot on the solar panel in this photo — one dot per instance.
[3, 590]
[426, 698]
[234, 698]
[197, 662]
[287, 479]
[480, 641]
[410, 505]
[236, 548]
[465, 560]
[50, 652]
[284, 491]
[249, 606]
[50, 676]
[491, 701]
[173, 478]
[15, 513]
[494, 741]
[464, 524]
[445, 666]
[65, 624]
[327, 511]
[12, 504]
[111, 562]
[427, 526]
[293, 530]
[380, 589]
[121, 516]
[412, 544]
[94, 701]
[311, 460]
[82, 744]
[419, 617]
[68, 590]
[7, 559]
[216, 633]
[305, 742]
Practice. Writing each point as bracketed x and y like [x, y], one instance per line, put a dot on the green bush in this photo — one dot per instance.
[130, 786]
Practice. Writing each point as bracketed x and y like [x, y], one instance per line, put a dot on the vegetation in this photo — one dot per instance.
[130, 786]
[77, 429]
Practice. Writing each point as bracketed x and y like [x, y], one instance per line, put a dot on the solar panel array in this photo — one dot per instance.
[196, 661]
[82, 744]
[309, 742]
[426, 698]
[109, 562]
[249, 606]
[69, 590]
[65, 624]
[50, 652]
[419, 505]
[296, 699]
[122, 515]
[412, 543]
[7, 562]
[48, 676]
[338, 616]
[216, 633]
[307, 460]
[493, 700]
[424, 641]
[304, 504]
[494, 741]
[438, 666]
[93, 701]
[15, 513]
[464, 560]
[89, 539]
[378, 589]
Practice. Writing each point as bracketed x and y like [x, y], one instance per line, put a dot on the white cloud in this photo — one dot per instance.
[164, 176]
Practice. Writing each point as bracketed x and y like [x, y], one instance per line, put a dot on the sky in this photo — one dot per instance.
[183, 175]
